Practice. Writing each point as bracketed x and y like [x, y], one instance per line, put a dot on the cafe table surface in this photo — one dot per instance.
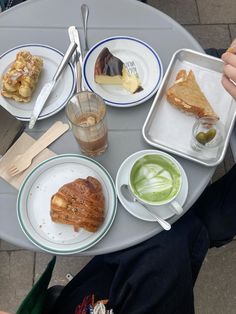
[46, 22]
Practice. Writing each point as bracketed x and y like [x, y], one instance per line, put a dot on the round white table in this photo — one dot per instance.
[46, 22]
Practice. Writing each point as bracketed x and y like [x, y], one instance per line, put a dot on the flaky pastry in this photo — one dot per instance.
[21, 78]
[80, 203]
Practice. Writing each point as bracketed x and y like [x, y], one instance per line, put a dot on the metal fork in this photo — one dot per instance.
[131, 67]
[23, 161]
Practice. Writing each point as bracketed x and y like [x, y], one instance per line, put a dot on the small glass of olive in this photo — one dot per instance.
[207, 133]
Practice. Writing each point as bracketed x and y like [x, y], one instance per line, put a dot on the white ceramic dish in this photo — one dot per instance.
[122, 177]
[148, 64]
[63, 90]
[33, 204]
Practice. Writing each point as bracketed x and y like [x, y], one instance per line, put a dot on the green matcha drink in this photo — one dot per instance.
[155, 179]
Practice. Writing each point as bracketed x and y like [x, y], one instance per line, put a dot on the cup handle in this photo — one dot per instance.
[177, 207]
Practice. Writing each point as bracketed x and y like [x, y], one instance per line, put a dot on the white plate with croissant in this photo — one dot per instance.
[67, 204]
[24, 70]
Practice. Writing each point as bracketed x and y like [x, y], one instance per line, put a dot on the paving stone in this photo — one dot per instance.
[217, 11]
[16, 274]
[215, 289]
[64, 265]
[211, 36]
[232, 31]
[183, 11]
[5, 246]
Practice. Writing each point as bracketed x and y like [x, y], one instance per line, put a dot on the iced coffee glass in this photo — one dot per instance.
[86, 113]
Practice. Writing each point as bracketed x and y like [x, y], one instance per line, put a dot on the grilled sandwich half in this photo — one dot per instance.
[187, 96]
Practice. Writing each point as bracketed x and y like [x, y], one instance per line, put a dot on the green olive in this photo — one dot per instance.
[201, 138]
[210, 134]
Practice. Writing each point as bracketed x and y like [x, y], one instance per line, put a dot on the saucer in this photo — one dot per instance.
[135, 209]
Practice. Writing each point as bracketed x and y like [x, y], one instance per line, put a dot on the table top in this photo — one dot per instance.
[46, 22]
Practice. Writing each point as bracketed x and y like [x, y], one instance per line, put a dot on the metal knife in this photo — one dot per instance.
[48, 87]
[73, 58]
[74, 37]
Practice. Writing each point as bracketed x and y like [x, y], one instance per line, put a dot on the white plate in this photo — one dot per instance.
[33, 204]
[148, 65]
[134, 209]
[63, 90]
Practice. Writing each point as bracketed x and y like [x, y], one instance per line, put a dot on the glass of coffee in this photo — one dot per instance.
[86, 112]
[156, 179]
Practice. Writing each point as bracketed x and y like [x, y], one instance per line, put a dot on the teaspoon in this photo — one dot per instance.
[131, 198]
[85, 14]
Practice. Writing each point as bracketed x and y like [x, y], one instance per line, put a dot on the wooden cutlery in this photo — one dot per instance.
[23, 161]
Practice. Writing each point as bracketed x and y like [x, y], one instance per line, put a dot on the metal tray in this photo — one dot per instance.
[170, 129]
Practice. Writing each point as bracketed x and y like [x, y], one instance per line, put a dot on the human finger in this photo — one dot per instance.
[233, 43]
[229, 86]
[232, 47]
[230, 72]
[229, 58]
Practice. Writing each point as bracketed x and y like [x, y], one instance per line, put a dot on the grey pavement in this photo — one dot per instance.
[213, 24]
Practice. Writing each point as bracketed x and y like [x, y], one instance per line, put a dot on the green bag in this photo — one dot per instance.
[34, 301]
[3, 4]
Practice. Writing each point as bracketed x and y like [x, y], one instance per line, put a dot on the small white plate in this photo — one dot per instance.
[135, 209]
[148, 64]
[33, 204]
[63, 90]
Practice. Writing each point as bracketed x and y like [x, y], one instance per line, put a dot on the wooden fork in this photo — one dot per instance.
[23, 161]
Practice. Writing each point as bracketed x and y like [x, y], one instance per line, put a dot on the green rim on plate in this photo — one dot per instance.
[26, 187]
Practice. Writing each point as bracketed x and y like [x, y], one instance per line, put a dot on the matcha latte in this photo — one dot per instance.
[155, 179]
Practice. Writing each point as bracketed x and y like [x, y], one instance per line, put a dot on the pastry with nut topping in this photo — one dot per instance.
[187, 96]
[80, 203]
[20, 80]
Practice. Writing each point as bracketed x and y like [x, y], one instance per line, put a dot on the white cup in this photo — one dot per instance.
[156, 179]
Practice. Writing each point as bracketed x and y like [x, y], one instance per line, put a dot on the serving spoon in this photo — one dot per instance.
[131, 198]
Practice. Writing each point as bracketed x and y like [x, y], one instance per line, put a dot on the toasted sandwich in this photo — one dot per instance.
[187, 96]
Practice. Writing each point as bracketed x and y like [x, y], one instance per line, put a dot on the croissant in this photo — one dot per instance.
[21, 79]
[80, 203]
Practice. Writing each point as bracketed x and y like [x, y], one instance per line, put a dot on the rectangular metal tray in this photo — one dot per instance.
[170, 129]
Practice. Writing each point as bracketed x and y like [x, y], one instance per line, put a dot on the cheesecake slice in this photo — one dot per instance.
[110, 70]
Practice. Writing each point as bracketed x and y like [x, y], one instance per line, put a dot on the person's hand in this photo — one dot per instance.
[1, 312]
[229, 71]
